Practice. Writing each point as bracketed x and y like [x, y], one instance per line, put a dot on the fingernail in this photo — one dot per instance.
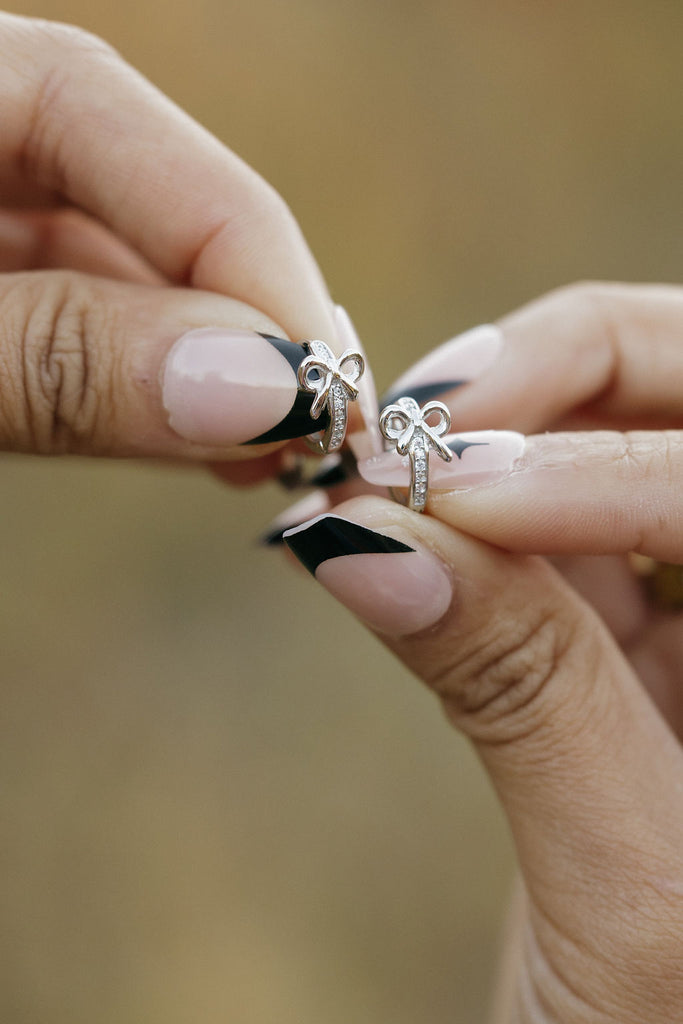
[394, 587]
[300, 512]
[229, 387]
[479, 457]
[456, 362]
[369, 439]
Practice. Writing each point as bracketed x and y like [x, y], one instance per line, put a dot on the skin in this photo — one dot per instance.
[109, 250]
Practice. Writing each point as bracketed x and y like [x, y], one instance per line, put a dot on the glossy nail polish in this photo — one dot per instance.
[448, 367]
[395, 587]
[228, 387]
[300, 512]
[481, 457]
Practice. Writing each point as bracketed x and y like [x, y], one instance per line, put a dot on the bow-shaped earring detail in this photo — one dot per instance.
[334, 383]
[402, 422]
[321, 371]
[405, 424]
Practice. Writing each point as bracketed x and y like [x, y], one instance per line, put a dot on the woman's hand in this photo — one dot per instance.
[582, 358]
[110, 194]
[554, 695]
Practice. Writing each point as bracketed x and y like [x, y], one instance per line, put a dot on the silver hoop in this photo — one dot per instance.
[404, 425]
[334, 383]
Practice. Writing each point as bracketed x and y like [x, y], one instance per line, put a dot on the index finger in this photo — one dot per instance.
[589, 355]
[589, 492]
[78, 121]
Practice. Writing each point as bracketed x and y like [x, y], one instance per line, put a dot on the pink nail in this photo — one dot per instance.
[391, 584]
[224, 387]
[452, 364]
[479, 457]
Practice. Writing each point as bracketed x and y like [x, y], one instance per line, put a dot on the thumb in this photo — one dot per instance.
[589, 775]
[94, 366]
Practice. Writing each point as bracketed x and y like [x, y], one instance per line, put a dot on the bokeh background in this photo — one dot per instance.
[221, 800]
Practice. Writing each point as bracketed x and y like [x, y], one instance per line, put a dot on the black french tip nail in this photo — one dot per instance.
[298, 421]
[458, 446]
[336, 469]
[314, 504]
[421, 392]
[330, 536]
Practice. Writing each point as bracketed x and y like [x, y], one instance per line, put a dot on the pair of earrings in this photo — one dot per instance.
[334, 382]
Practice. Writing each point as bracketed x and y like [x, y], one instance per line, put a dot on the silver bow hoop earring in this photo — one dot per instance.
[405, 426]
[334, 383]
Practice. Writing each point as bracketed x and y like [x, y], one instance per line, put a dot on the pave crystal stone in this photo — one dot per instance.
[420, 462]
[337, 409]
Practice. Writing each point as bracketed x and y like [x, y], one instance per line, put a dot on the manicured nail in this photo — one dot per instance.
[368, 439]
[229, 387]
[312, 505]
[480, 457]
[394, 587]
[449, 366]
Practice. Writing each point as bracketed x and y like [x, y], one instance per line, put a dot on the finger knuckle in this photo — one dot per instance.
[262, 218]
[72, 52]
[649, 455]
[594, 309]
[648, 460]
[272, 211]
[61, 405]
[495, 690]
[72, 39]
[589, 296]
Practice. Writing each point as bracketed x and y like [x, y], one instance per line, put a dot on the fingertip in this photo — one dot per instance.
[395, 585]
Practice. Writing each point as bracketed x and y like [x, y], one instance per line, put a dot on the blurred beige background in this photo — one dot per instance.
[221, 801]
